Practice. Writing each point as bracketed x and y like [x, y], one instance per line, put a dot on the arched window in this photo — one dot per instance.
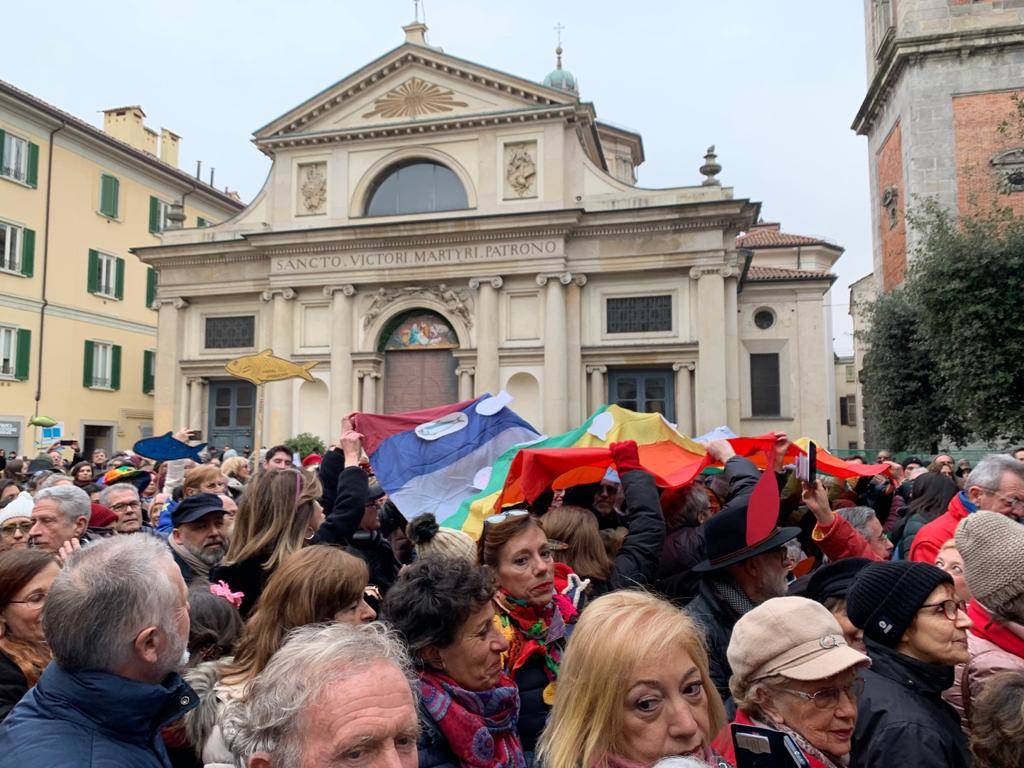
[416, 186]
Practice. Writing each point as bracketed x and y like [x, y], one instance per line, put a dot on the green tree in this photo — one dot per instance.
[304, 443]
[967, 286]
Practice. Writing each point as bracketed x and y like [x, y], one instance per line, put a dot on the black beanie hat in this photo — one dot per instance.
[886, 596]
[835, 579]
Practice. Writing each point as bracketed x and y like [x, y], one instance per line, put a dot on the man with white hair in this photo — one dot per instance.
[116, 620]
[332, 695]
[59, 514]
[996, 484]
[123, 500]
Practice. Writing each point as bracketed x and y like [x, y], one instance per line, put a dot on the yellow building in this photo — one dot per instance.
[78, 321]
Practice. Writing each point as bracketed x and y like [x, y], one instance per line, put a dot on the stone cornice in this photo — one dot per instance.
[899, 52]
[408, 55]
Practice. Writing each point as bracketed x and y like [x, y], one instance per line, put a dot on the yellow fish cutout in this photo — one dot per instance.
[265, 367]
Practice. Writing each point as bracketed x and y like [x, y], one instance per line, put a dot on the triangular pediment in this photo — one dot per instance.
[412, 83]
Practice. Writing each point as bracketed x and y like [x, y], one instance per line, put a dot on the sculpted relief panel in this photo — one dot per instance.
[414, 98]
[312, 197]
[520, 164]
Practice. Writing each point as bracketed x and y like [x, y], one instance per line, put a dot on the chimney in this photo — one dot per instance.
[169, 142]
[126, 124]
[149, 138]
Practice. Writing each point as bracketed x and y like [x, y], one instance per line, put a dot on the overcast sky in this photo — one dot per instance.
[774, 85]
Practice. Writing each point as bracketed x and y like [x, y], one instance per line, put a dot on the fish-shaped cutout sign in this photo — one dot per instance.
[167, 448]
[266, 367]
[42, 421]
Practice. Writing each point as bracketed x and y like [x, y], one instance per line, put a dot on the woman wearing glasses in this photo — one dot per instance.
[794, 672]
[916, 633]
[25, 579]
[16, 521]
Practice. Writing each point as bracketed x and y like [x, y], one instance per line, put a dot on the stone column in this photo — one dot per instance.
[341, 353]
[487, 378]
[711, 409]
[195, 403]
[684, 398]
[574, 349]
[278, 416]
[597, 394]
[465, 375]
[369, 386]
[732, 352]
[167, 376]
[556, 370]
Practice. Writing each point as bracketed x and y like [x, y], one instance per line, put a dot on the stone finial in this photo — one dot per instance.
[175, 215]
[711, 168]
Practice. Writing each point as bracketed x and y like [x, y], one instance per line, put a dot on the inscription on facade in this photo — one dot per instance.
[415, 257]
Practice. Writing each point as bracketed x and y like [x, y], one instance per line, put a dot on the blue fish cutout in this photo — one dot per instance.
[167, 448]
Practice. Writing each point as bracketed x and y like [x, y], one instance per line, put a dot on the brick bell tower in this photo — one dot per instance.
[941, 75]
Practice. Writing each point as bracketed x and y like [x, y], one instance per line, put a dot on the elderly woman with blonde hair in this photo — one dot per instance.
[634, 688]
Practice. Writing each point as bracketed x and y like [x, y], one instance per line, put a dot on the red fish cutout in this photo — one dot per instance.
[763, 508]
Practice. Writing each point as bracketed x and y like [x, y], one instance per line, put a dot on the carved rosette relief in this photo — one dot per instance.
[455, 300]
[413, 98]
[312, 189]
[520, 170]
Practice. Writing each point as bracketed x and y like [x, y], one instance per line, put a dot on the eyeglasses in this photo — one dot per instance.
[828, 698]
[949, 607]
[126, 505]
[1013, 502]
[11, 528]
[34, 601]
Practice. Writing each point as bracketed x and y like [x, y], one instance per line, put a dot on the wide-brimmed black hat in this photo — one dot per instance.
[739, 533]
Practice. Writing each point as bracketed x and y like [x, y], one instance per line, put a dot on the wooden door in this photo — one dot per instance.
[415, 379]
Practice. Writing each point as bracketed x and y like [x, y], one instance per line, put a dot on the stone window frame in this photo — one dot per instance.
[612, 292]
[890, 204]
[1009, 166]
[222, 313]
[364, 187]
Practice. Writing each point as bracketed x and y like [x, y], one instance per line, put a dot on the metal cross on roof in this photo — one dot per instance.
[558, 29]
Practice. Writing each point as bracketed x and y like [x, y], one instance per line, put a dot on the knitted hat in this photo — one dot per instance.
[834, 579]
[992, 547]
[101, 516]
[374, 490]
[21, 506]
[432, 539]
[313, 460]
[886, 596]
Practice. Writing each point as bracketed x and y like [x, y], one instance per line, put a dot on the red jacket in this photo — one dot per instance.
[931, 537]
[841, 540]
[724, 747]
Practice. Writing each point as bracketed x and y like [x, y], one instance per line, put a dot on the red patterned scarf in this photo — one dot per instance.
[479, 726]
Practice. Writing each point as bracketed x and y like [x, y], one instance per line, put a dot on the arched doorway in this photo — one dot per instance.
[419, 367]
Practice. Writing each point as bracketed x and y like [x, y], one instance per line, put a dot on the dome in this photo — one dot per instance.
[561, 79]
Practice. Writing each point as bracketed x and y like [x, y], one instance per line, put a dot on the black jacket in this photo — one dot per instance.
[683, 549]
[637, 559]
[347, 503]
[13, 685]
[188, 573]
[531, 679]
[716, 618]
[901, 717]
[431, 746]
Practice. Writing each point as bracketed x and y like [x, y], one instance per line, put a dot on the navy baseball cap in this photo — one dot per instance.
[196, 507]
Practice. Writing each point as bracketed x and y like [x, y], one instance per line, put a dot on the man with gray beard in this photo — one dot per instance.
[116, 620]
[199, 539]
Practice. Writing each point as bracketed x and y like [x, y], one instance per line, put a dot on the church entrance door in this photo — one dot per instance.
[419, 367]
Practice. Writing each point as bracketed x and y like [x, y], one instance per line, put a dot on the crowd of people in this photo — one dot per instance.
[273, 611]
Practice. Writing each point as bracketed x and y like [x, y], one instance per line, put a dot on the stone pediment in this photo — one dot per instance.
[412, 83]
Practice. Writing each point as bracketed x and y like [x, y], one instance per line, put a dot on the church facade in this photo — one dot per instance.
[432, 229]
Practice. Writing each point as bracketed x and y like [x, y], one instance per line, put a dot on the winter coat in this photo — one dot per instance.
[713, 616]
[72, 719]
[683, 549]
[901, 717]
[931, 537]
[532, 679]
[204, 724]
[376, 551]
[637, 559]
[841, 540]
[724, 746]
[348, 502]
[431, 745]
[13, 685]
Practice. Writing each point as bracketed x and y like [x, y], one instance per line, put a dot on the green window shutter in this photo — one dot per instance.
[154, 215]
[94, 271]
[23, 354]
[115, 366]
[119, 280]
[150, 287]
[3, 136]
[109, 190]
[201, 222]
[28, 251]
[32, 172]
[87, 366]
[148, 360]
